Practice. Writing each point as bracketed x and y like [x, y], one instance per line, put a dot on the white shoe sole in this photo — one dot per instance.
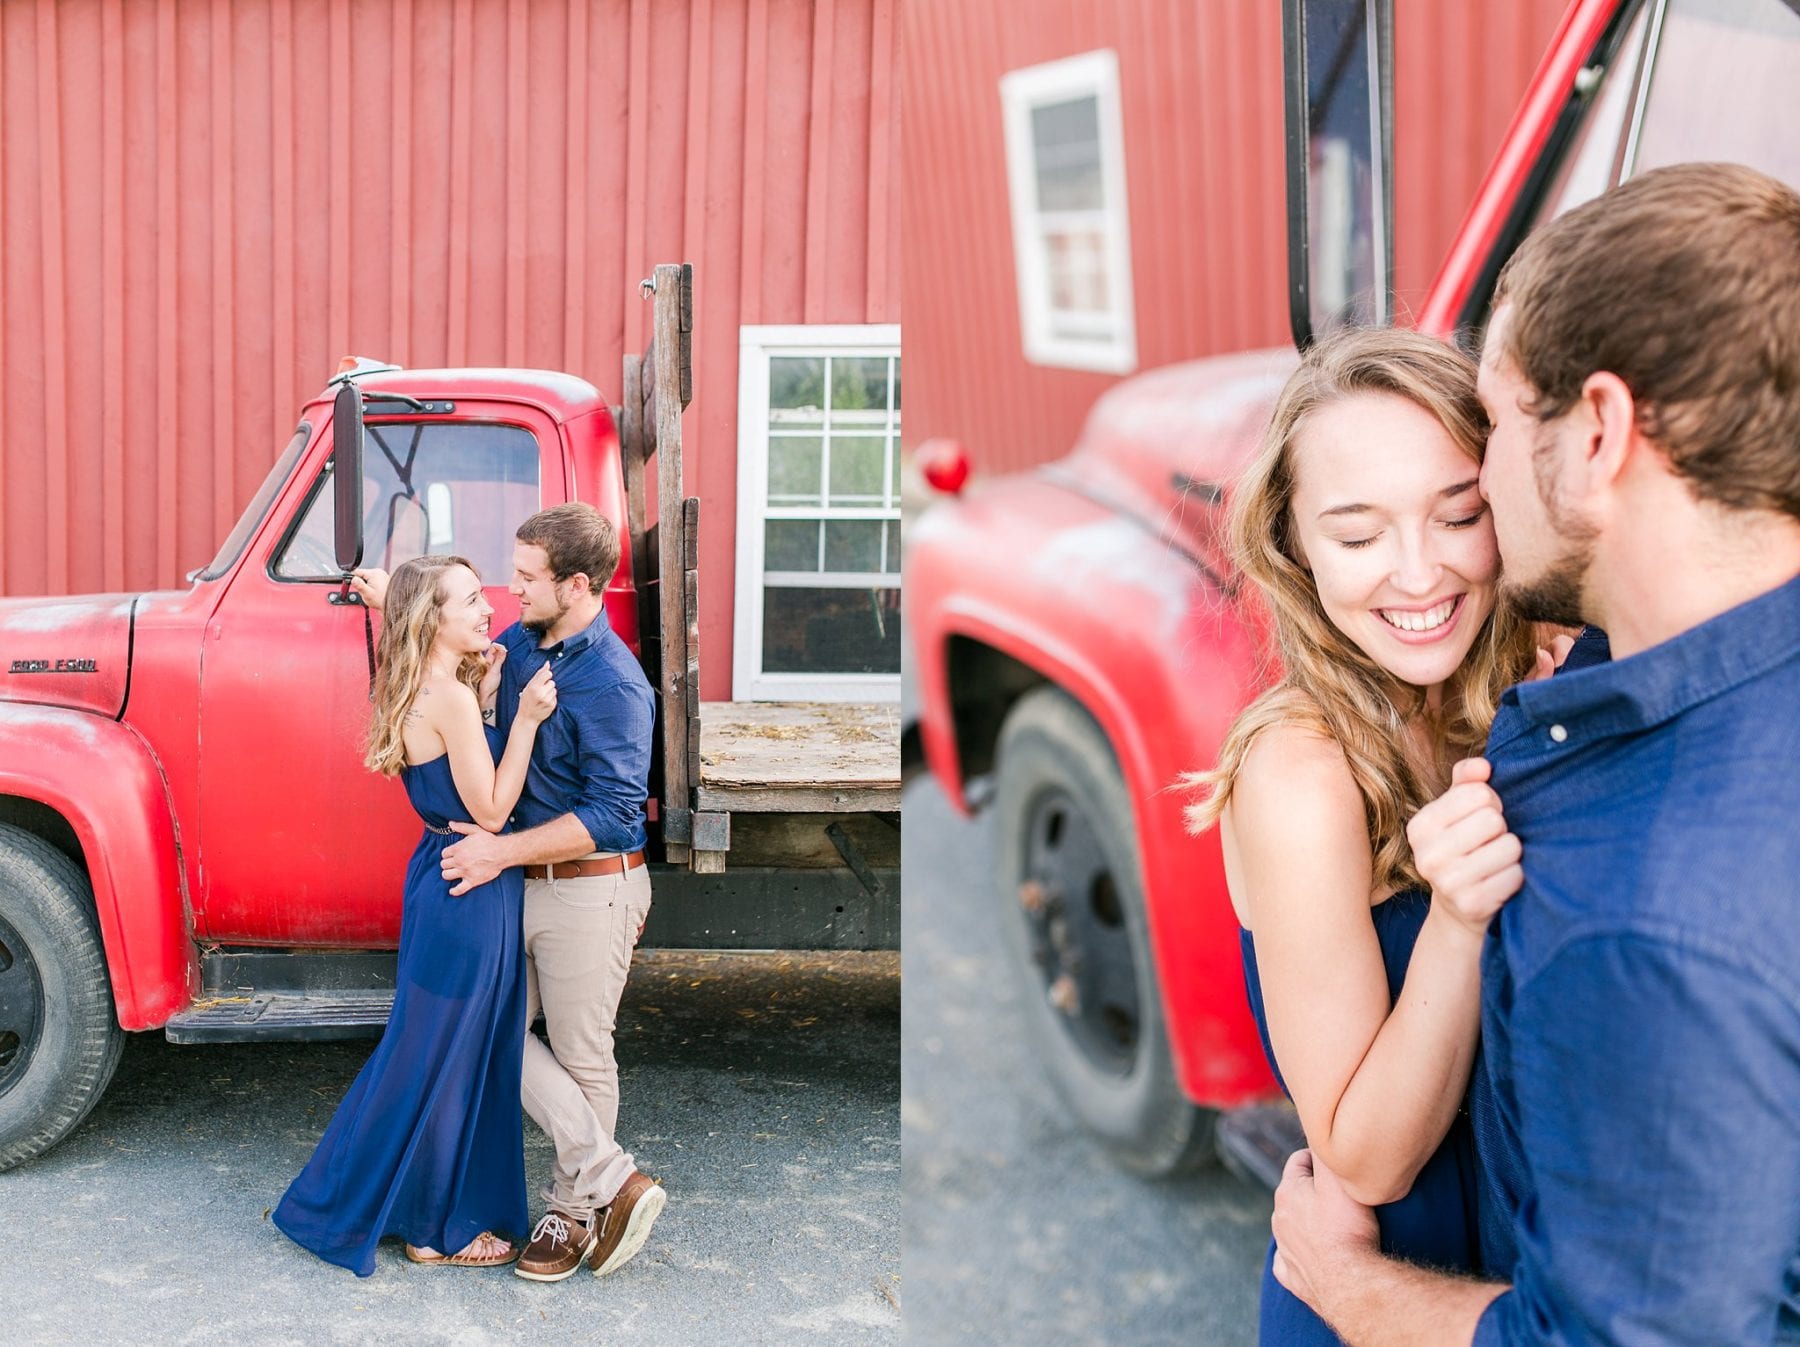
[637, 1229]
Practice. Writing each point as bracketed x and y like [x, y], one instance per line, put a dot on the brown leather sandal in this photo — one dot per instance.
[465, 1258]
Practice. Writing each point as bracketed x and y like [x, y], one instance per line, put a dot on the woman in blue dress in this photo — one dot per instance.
[428, 1143]
[1361, 524]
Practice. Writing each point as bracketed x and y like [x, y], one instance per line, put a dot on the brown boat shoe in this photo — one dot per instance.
[622, 1227]
[558, 1246]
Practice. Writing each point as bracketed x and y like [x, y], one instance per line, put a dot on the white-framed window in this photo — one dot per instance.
[1065, 164]
[818, 552]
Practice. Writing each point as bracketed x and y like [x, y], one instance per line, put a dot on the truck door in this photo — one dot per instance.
[301, 844]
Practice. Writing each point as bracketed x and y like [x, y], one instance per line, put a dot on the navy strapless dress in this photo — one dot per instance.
[1435, 1223]
[428, 1144]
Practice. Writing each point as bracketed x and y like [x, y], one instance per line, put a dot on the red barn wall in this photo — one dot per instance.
[205, 203]
[1200, 98]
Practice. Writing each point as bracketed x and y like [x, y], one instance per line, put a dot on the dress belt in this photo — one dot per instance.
[598, 865]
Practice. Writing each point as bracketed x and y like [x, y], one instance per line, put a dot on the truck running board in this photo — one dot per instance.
[263, 1018]
[1255, 1142]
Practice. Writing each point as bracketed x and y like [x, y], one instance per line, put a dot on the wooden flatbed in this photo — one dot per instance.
[799, 757]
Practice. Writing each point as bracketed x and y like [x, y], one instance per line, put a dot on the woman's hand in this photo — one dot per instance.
[495, 655]
[538, 699]
[1463, 850]
[1550, 659]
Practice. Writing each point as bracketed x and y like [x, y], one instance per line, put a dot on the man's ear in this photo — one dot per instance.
[1607, 418]
[580, 583]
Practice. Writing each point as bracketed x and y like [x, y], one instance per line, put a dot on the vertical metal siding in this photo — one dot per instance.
[204, 203]
[1200, 95]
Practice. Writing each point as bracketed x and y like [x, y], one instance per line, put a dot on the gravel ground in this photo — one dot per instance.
[1017, 1228]
[761, 1090]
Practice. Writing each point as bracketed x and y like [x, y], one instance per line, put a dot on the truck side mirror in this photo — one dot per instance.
[1338, 60]
[347, 474]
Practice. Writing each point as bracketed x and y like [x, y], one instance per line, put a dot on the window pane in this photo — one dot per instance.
[856, 464]
[794, 466]
[852, 545]
[896, 385]
[1076, 253]
[859, 383]
[428, 487]
[796, 381]
[1722, 71]
[893, 547]
[831, 631]
[791, 545]
[1065, 142]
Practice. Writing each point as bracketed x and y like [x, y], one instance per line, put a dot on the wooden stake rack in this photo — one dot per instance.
[665, 560]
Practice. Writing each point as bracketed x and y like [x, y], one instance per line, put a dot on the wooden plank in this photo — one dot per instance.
[647, 408]
[643, 555]
[676, 673]
[789, 800]
[691, 602]
[800, 746]
[687, 337]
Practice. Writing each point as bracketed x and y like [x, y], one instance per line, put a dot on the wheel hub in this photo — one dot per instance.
[1079, 938]
[21, 1006]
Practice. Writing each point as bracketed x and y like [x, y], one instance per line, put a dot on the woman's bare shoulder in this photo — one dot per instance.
[441, 698]
[1295, 776]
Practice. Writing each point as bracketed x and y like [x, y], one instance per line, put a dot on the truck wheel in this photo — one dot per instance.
[59, 1037]
[1073, 902]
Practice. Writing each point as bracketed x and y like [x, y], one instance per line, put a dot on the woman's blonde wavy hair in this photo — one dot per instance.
[409, 624]
[1327, 684]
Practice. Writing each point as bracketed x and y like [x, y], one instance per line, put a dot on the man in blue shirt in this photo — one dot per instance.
[579, 835]
[1637, 1105]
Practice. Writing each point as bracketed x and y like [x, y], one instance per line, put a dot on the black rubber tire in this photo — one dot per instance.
[1050, 744]
[47, 901]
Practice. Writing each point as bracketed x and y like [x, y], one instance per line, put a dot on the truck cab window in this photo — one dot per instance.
[427, 487]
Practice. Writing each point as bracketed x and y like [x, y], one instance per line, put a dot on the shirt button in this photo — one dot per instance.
[1558, 733]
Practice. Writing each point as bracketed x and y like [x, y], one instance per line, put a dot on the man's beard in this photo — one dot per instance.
[1557, 593]
[542, 625]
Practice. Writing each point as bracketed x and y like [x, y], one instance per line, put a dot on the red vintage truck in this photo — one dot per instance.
[1081, 640]
[188, 839]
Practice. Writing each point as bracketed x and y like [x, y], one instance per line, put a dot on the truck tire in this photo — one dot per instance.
[59, 1037]
[1072, 896]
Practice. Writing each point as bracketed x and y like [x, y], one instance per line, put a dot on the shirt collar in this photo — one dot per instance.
[580, 641]
[1660, 683]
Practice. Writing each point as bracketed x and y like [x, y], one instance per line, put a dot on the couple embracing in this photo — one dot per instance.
[1520, 909]
[499, 924]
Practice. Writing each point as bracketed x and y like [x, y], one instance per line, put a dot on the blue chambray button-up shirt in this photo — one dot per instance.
[592, 756]
[1637, 1103]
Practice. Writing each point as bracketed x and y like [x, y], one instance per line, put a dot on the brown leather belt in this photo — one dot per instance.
[599, 865]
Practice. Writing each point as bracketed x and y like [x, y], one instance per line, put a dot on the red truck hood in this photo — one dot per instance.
[1162, 445]
[72, 652]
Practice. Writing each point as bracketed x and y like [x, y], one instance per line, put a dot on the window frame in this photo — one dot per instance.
[1091, 74]
[757, 343]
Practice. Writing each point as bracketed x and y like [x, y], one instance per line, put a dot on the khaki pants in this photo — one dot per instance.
[579, 934]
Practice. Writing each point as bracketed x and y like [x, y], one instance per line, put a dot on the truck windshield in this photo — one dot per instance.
[253, 514]
[1709, 89]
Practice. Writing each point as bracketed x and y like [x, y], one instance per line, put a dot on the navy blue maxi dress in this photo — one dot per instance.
[428, 1144]
[1433, 1224]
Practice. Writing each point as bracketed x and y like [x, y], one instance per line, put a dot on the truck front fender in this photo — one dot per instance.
[1145, 641]
[100, 777]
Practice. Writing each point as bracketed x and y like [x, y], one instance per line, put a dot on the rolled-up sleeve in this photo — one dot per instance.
[615, 730]
[1659, 1091]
